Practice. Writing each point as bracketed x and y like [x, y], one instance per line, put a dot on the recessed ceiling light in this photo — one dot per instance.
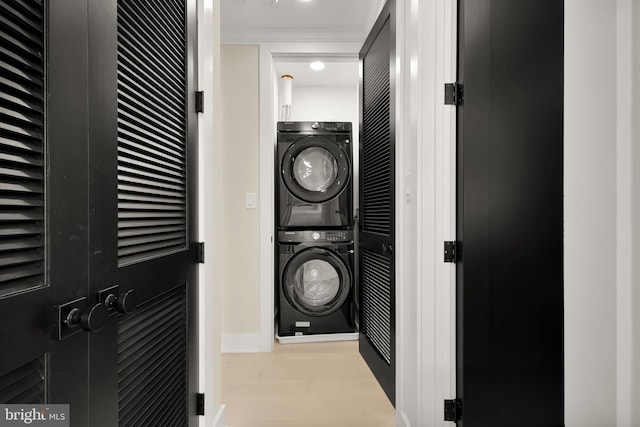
[306, 1]
[317, 65]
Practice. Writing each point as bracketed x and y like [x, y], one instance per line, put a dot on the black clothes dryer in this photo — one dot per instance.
[314, 175]
[316, 282]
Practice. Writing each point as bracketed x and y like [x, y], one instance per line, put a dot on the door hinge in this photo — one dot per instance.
[453, 93]
[452, 251]
[453, 410]
[200, 404]
[200, 246]
[200, 101]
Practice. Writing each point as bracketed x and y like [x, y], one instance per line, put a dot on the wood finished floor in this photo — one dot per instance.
[303, 385]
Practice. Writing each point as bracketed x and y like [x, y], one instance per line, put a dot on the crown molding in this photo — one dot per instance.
[258, 35]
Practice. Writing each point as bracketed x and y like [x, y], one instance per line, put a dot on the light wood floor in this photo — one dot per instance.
[303, 385]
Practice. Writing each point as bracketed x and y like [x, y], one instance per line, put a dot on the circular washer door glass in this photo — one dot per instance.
[315, 169]
[316, 283]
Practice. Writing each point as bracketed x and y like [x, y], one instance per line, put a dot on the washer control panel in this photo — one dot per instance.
[315, 236]
[314, 126]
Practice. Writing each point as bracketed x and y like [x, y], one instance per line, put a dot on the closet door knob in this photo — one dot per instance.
[91, 319]
[125, 303]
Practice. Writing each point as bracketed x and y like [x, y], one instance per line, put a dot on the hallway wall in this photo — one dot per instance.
[600, 354]
[635, 212]
[240, 288]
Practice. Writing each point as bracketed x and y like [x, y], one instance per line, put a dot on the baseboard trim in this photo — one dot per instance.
[221, 417]
[318, 338]
[241, 343]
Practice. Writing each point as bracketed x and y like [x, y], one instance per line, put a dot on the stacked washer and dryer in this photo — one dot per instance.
[314, 229]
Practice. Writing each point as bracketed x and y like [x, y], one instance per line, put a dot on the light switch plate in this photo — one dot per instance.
[250, 202]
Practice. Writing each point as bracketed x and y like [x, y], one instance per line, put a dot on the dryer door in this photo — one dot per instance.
[316, 281]
[315, 169]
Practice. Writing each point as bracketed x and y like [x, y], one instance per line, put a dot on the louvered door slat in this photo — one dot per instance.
[27, 275]
[20, 173]
[11, 229]
[20, 118]
[376, 302]
[141, 226]
[134, 190]
[174, 15]
[17, 89]
[377, 156]
[131, 156]
[150, 207]
[14, 244]
[14, 59]
[146, 48]
[151, 127]
[134, 83]
[25, 385]
[139, 119]
[31, 9]
[13, 144]
[151, 358]
[156, 115]
[142, 183]
[164, 41]
[164, 18]
[132, 162]
[22, 50]
[139, 145]
[159, 357]
[151, 230]
[21, 146]
[159, 144]
[22, 17]
[20, 31]
[147, 70]
[156, 173]
[22, 76]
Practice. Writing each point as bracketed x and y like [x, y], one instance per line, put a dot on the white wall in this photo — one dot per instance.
[598, 352]
[635, 211]
[325, 103]
[241, 168]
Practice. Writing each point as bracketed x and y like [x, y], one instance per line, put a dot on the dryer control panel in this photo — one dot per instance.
[315, 236]
[314, 126]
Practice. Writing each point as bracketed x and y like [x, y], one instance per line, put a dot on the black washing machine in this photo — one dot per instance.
[315, 286]
[314, 175]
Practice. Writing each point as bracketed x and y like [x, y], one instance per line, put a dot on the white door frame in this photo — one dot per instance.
[268, 118]
[425, 206]
[425, 210]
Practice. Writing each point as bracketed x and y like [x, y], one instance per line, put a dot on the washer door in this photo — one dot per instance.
[316, 281]
[315, 169]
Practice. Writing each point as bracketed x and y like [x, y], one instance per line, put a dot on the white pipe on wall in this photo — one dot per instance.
[286, 90]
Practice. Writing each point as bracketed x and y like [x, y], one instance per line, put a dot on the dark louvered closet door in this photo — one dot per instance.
[156, 195]
[376, 261]
[97, 204]
[43, 201]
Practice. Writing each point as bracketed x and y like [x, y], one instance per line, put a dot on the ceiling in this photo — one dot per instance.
[296, 21]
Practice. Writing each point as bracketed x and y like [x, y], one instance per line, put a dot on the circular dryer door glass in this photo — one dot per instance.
[317, 283]
[315, 169]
